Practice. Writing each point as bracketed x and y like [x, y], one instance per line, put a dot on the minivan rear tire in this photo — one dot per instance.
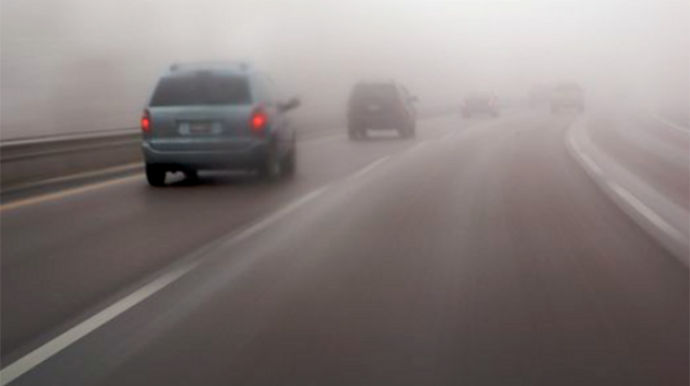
[155, 175]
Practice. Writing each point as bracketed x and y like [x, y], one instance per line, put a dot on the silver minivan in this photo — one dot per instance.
[216, 116]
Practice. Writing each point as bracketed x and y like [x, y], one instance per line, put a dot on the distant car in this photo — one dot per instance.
[480, 103]
[381, 106]
[567, 95]
[216, 116]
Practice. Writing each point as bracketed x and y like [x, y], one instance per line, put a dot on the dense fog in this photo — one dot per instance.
[80, 65]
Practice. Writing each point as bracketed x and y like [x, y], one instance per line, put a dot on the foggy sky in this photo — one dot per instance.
[79, 65]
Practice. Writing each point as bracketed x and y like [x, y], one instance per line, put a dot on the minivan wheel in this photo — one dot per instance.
[155, 175]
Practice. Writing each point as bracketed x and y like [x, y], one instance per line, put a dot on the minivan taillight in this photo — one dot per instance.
[258, 121]
[146, 122]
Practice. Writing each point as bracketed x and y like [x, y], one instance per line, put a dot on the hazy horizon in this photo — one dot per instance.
[79, 66]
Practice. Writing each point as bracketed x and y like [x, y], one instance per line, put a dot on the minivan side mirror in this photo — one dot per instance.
[291, 104]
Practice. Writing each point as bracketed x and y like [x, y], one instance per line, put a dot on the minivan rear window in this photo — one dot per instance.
[201, 89]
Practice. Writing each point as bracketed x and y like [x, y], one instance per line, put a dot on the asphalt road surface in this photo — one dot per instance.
[478, 254]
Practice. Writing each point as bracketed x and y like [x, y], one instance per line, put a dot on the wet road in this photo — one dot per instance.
[479, 254]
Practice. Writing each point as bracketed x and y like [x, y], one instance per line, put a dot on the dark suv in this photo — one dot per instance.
[216, 116]
[381, 106]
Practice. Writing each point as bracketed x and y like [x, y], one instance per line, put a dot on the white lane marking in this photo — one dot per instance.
[647, 212]
[49, 349]
[627, 196]
[369, 168]
[593, 165]
[265, 223]
[66, 193]
[36, 357]
[585, 158]
[671, 125]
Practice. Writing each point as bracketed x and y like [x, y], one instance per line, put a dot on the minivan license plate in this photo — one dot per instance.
[200, 128]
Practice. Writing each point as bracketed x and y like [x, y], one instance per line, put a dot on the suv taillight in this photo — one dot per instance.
[258, 121]
[146, 122]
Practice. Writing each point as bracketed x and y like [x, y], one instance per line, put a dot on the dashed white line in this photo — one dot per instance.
[54, 346]
[74, 334]
[369, 168]
[265, 223]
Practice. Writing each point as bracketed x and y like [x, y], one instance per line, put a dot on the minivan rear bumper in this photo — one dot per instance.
[246, 158]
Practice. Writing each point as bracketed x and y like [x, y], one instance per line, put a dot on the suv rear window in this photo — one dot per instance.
[201, 89]
[374, 93]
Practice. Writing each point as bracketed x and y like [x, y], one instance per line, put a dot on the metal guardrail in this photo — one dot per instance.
[27, 149]
[29, 161]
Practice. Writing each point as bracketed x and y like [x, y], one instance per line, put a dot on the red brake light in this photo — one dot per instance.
[258, 121]
[146, 122]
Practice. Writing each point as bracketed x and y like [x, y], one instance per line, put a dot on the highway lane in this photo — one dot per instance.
[483, 257]
[67, 255]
